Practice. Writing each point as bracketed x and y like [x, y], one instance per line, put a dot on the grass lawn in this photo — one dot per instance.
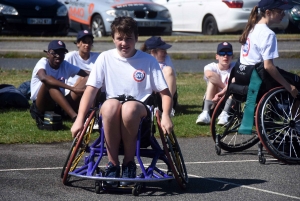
[17, 126]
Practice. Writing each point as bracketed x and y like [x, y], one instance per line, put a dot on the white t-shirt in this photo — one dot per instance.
[86, 65]
[65, 71]
[261, 45]
[167, 62]
[224, 74]
[137, 76]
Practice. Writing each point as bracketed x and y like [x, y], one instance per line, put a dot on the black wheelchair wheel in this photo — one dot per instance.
[278, 125]
[79, 147]
[174, 156]
[226, 136]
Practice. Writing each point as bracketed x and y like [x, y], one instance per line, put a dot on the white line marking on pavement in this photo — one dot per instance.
[190, 175]
[248, 187]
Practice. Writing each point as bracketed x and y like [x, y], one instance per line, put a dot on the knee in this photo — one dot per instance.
[133, 110]
[111, 108]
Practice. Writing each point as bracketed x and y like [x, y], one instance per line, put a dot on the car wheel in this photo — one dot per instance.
[210, 26]
[97, 26]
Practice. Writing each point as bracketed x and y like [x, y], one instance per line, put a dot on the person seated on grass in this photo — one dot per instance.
[216, 76]
[48, 83]
[83, 57]
[158, 49]
[134, 74]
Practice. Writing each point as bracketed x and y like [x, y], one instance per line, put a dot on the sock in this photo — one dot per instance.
[207, 105]
[228, 105]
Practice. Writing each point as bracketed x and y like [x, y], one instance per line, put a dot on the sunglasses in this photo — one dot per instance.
[57, 54]
[225, 53]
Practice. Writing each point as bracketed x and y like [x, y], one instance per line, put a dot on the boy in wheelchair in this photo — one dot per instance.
[124, 70]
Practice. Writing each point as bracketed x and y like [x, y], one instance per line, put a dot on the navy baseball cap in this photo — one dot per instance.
[224, 45]
[57, 44]
[272, 4]
[84, 33]
[156, 42]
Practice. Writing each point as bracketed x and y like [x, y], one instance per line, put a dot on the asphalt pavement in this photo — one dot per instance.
[32, 172]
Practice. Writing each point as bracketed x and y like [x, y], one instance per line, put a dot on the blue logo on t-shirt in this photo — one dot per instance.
[246, 48]
[139, 75]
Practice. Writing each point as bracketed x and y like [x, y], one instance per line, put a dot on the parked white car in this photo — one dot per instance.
[97, 15]
[212, 16]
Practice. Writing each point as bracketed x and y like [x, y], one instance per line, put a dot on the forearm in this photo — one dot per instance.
[86, 102]
[52, 82]
[166, 101]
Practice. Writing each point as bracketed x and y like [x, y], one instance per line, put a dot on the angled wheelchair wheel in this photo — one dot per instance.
[174, 155]
[226, 136]
[79, 147]
[278, 125]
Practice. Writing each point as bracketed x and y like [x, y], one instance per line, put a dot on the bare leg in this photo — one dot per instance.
[73, 98]
[132, 113]
[111, 118]
[211, 91]
[47, 95]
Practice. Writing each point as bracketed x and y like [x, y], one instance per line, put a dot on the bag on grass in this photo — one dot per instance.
[52, 121]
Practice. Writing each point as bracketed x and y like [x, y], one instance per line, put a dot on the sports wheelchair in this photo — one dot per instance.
[275, 126]
[84, 157]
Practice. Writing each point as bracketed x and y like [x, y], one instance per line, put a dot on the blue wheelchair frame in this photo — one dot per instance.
[90, 168]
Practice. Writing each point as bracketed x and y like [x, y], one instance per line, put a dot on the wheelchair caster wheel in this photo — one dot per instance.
[136, 190]
[262, 160]
[98, 187]
[218, 150]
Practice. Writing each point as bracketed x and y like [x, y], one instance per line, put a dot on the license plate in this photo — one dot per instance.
[39, 21]
[147, 24]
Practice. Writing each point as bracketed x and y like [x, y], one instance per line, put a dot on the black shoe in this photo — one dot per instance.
[36, 114]
[128, 171]
[112, 171]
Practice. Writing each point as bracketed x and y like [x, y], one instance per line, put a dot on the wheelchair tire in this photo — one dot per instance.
[174, 156]
[226, 136]
[276, 125]
[79, 147]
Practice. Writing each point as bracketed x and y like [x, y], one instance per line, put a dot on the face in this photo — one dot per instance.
[159, 54]
[125, 44]
[225, 57]
[85, 44]
[56, 57]
[276, 15]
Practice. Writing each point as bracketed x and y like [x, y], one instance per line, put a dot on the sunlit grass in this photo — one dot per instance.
[17, 126]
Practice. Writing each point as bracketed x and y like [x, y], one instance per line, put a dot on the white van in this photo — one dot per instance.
[212, 16]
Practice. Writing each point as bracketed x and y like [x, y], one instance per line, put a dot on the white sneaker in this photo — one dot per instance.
[223, 118]
[203, 118]
[96, 126]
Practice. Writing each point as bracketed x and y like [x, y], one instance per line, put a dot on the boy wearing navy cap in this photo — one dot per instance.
[158, 49]
[48, 83]
[216, 76]
[83, 57]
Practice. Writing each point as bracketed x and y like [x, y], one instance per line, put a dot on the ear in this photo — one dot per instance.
[217, 57]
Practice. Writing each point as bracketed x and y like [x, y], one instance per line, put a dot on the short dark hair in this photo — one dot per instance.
[124, 25]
